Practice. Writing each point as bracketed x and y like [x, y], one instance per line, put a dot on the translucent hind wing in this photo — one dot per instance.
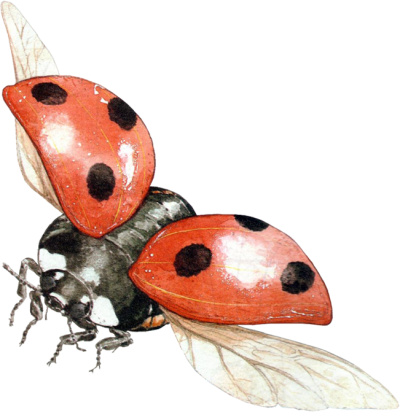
[31, 59]
[266, 370]
[30, 56]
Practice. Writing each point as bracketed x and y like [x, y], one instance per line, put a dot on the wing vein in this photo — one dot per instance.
[229, 373]
[253, 363]
[266, 370]
[339, 366]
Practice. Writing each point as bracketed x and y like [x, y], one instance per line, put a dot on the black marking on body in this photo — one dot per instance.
[121, 113]
[49, 94]
[297, 278]
[132, 316]
[147, 221]
[63, 243]
[100, 181]
[251, 223]
[191, 260]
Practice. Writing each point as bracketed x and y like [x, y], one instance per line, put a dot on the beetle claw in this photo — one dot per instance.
[51, 361]
[79, 348]
[97, 365]
[22, 341]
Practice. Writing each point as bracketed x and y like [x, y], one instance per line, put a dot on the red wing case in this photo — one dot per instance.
[97, 152]
[231, 269]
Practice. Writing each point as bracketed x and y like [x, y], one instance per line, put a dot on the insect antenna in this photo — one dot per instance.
[23, 283]
[27, 290]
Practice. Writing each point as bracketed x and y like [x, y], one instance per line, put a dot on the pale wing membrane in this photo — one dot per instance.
[31, 59]
[266, 370]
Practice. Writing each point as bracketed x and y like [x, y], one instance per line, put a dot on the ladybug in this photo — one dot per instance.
[129, 257]
[231, 270]
[96, 150]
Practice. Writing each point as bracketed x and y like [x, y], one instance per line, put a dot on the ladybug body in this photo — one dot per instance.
[96, 151]
[87, 279]
[128, 257]
[231, 269]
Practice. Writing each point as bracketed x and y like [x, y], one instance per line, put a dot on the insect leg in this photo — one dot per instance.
[122, 338]
[36, 311]
[21, 292]
[73, 339]
[26, 264]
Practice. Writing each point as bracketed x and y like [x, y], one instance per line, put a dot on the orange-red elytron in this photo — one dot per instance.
[231, 270]
[96, 150]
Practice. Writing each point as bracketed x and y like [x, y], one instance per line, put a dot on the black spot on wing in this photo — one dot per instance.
[121, 113]
[100, 181]
[191, 260]
[49, 94]
[297, 278]
[251, 223]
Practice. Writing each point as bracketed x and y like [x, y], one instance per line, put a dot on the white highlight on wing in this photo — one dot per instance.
[245, 260]
[60, 134]
[267, 371]
[129, 163]
[31, 59]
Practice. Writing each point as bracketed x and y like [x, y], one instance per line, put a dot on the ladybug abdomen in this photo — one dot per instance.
[96, 151]
[231, 270]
